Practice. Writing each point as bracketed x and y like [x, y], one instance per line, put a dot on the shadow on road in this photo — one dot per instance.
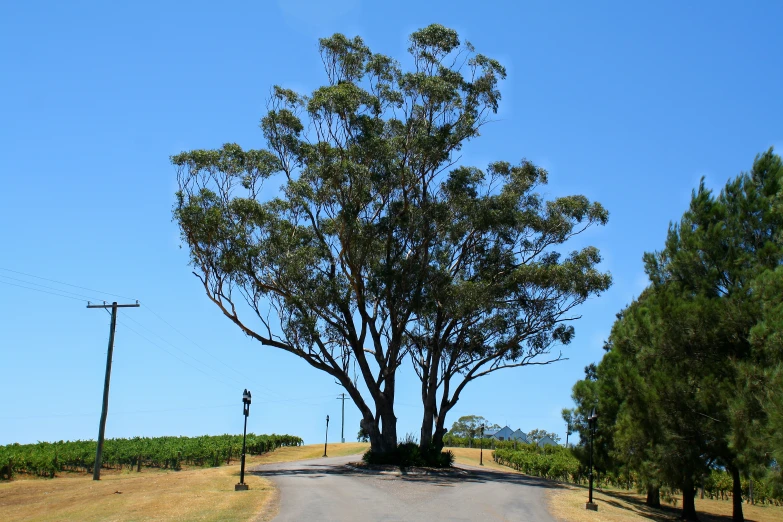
[460, 475]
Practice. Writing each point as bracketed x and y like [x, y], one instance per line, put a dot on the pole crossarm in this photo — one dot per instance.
[110, 305]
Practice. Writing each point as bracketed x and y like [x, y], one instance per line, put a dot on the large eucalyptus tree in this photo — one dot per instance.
[378, 231]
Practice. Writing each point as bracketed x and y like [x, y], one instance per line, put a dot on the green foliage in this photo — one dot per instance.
[502, 295]
[470, 426]
[718, 485]
[762, 395]
[568, 415]
[47, 458]
[341, 254]
[468, 442]
[446, 459]
[691, 382]
[552, 462]
[533, 436]
[380, 243]
[362, 435]
[409, 454]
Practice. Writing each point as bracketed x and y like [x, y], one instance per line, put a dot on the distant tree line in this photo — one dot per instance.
[466, 432]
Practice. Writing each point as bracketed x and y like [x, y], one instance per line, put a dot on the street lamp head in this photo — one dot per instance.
[591, 420]
[327, 419]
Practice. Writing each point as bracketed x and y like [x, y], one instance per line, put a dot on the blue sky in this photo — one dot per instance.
[628, 104]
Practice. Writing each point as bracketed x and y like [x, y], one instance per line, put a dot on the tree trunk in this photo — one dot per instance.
[373, 433]
[389, 430]
[689, 500]
[736, 499]
[383, 434]
[429, 395]
[384, 411]
[381, 426]
[653, 496]
[426, 439]
[440, 431]
[440, 420]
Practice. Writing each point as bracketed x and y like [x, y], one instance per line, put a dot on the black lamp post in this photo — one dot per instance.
[481, 443]
[326, 439]
[246, 399]
[591, 420]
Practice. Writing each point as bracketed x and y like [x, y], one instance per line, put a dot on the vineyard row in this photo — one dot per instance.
[45, 459]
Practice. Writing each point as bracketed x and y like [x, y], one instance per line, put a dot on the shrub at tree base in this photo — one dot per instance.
[47, 458]
[409, 454]
[553, 462]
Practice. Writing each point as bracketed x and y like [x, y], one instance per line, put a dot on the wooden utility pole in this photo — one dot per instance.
[96, 472]
[342, 397]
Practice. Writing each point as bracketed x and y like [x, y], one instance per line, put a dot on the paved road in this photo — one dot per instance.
[327, 490]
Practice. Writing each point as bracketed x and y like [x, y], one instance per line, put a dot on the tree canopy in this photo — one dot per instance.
[381, 244]
[534, 436]
[693, 364]
[469, 426]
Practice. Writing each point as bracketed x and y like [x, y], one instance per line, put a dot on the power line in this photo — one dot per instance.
[177, 358]
[207, 352]
[66, 415]
[53, 291]
[167, 410]
[199, 361]
[43, 291]
[207, 374]
[247, 379]
[86, 297]
[67, 284]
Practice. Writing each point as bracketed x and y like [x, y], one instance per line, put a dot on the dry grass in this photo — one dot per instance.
[203, 494]
[194, 494]
[471, 457]
[568, 505]
[310, 451]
